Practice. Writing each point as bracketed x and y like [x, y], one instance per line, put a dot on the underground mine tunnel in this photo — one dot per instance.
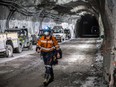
[86, 34]
[87, 26]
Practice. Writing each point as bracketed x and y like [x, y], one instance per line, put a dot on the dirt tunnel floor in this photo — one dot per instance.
[81, 66]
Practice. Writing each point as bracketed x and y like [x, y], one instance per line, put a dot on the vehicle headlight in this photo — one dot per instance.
[114, 63]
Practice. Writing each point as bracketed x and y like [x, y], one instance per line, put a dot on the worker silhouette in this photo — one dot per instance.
[48, 46]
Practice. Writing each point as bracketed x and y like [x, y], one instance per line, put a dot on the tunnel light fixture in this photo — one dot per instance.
[84, 0]
[68, 1]
[64, 1]
[75, 9]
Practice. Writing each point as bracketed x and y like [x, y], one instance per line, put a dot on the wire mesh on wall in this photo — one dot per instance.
[110, 4]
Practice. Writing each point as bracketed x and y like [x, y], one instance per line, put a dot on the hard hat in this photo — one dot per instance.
[47, 29]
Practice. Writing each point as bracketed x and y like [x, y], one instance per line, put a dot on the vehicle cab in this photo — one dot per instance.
[59, 33]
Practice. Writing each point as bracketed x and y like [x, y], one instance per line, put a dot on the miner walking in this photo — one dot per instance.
[48, 47]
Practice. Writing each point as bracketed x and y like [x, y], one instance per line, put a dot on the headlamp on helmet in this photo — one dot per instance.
[47, 31]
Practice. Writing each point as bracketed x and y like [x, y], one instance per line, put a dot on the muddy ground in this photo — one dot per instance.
[81, 66]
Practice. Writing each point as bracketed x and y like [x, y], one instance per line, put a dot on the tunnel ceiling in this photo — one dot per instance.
[51, 7]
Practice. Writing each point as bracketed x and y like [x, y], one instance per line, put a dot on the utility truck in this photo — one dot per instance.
[8, 42]
[59, 33]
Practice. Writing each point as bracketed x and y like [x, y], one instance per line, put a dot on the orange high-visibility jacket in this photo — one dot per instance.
[48, 44]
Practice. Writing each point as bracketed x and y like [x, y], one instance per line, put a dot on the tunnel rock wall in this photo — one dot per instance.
[16, 19]
[108, 14]
[25, 14]
[33, 23]
[3, 16]
[87, 26]
[101, 27]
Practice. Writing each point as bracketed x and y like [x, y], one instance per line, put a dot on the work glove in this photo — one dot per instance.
[58, 55]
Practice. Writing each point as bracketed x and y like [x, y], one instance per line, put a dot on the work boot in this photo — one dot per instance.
[46, 80]
[51, 77]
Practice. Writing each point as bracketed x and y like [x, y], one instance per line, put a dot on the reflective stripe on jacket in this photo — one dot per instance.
[48, 44]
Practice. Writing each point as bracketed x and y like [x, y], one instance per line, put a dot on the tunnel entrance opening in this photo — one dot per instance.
[87, 26]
